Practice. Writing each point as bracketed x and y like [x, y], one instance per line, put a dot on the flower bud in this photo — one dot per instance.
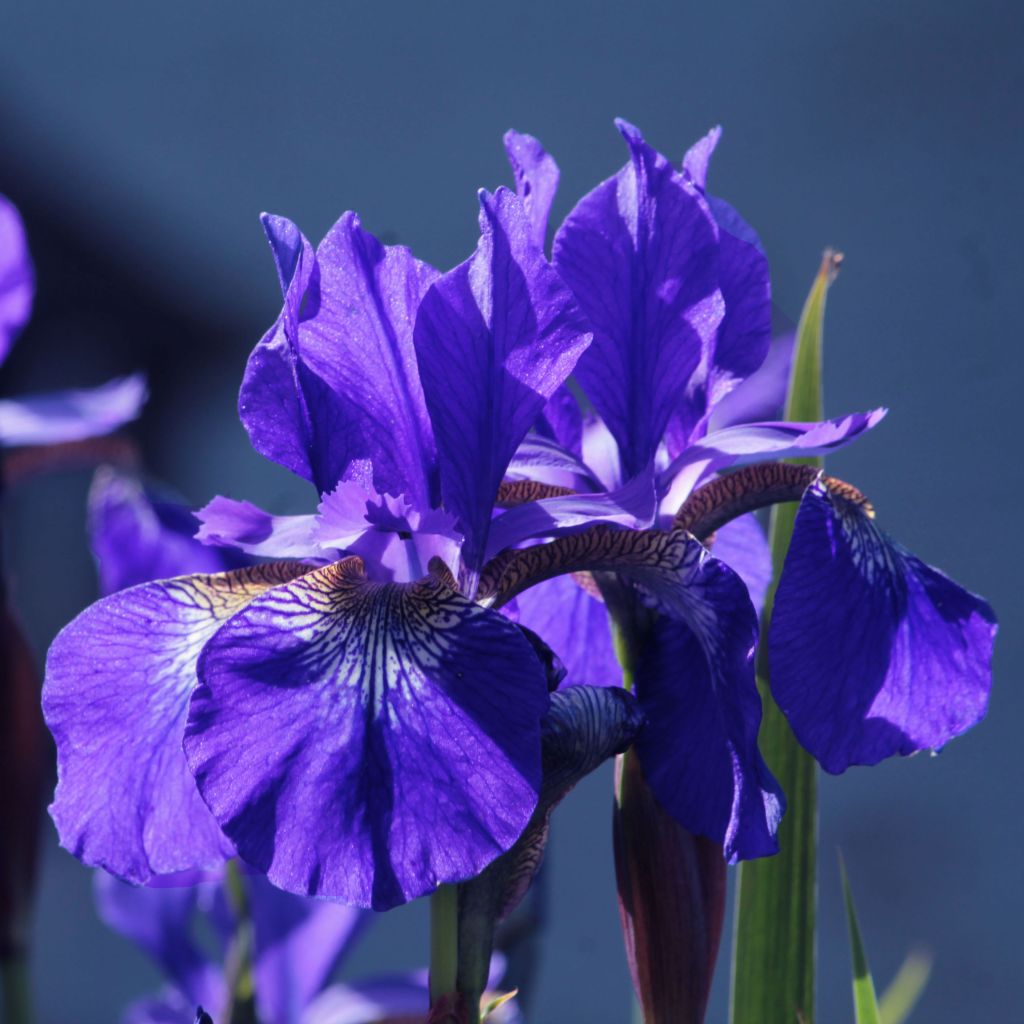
[671, 901]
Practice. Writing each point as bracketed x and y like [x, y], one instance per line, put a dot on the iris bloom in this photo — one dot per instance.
[360, 727]
[59, 416]
[297, 944]
[872, 652]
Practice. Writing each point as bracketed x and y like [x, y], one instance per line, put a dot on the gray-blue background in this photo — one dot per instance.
[142, 139]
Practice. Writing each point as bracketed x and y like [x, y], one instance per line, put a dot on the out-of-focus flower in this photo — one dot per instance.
[58, 416]
[297, 945]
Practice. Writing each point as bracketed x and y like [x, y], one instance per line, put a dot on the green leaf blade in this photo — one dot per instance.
[774, 941]
[865, 1002]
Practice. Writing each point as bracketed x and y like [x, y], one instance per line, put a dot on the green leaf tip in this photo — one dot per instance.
[865, 1003]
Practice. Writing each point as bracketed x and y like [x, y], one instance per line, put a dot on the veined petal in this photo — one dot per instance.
[760, 442]
[17, 280]
[634, 506]
[694, 680]
[536, 175]
[544, 458]
[367, 742]
[160, 922]
[562, 421]
[336, 379]
[699, 750]
[641, 254]
[297, 943]
[224, 522]
[59, 416]
[872, 652]
[118, 680]
[743, 546]
[136, 538]
[495, 337]
[575, 625]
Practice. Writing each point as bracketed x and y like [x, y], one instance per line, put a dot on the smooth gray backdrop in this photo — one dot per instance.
[143, 139]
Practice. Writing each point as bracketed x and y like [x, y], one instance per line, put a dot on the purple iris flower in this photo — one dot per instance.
[297, 945]
[872, 652]
[58, 416]
[362, 729]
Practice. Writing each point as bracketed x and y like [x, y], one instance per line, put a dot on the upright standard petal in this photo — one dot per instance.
[118, 680]
[136, 538]
[495, 337]
[335, 380]
[367, 742]
[536, 175]
[17, 280]
[872, 652]
[641, 254]
[60, 416]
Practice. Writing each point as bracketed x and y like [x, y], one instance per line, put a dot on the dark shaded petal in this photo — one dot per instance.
[872, 652]
[17, 279]
[575, 625]
[695, 683]
[743, 546]
[118, 680]
[536, 175]
[495, 337]
[641, 254]
[224, 522]
[760, 442]
[633, 506]
[159, 921]
[367, 742]
[135, 538]
[60, 416]
[298, 943]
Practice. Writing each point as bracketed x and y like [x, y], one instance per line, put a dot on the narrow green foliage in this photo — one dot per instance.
[865, 1003]
[900, 998]
[774, 939]
[14, 983]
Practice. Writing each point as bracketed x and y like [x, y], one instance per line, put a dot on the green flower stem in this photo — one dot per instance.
[238, 968]
[17, 996]
[444, 942]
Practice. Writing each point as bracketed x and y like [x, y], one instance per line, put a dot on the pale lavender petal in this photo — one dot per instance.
[171, 1007]
[368, 742]
[760, 442]
[575, 625]
[743, 546]
[641, 254]
[540, 458]
[762, 396]
[395, 997]
[495, 338]
[698, 157]
[118, 680]
[160, 922]
[633, 506]
[872, 652]
[17, 279]
[536, 175]
[225, 522]
[60, 416]
[135, 537]
[298, 943]
[601, 452]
